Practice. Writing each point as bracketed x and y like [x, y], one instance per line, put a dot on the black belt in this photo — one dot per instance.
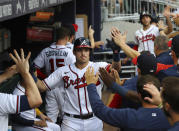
[85, 116]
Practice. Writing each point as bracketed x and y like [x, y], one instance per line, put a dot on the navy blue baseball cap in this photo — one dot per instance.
[147, 63]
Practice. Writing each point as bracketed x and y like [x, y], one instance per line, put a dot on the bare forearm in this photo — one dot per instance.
[41, 86]
[129, 51]
[171, 35]
[32, 91]
[170, 26]
[91, 38]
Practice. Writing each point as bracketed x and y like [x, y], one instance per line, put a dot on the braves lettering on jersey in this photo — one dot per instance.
[72, 80]
[145, 39]
[53, 57]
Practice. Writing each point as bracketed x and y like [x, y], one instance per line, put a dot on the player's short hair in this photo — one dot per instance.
[143, 14]
[144, 79]
[71, 28]
[170, 92]
[161, 42]
[62, 32]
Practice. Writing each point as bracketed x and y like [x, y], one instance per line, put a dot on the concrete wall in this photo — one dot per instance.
[123, 26]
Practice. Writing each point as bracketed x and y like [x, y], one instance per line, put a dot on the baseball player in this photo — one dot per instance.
[78, 114]
[56, 55]
[145, 36]
[11, 104]
[73, 29]
[32, 123]
[55, 98]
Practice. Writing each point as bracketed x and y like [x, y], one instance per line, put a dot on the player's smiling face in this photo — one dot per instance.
[146, 20]
[82, 55]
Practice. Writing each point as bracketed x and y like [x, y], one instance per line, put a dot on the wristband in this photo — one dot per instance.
[160, 105]
[116, 57]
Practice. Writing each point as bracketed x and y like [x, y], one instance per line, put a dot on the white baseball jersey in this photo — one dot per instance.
[9, 104]
[55, 101]
[145, 39]
[72, 80]
[31, 115]
[70, 45]
[53, 57]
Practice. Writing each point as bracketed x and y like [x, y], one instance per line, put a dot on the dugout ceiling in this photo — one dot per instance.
[13, 8]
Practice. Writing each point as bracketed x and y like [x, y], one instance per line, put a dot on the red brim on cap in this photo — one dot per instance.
[82, 46]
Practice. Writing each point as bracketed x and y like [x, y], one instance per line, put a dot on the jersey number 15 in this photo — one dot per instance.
[59, 63]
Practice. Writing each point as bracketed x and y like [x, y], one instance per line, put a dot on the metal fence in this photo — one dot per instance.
[130, 9]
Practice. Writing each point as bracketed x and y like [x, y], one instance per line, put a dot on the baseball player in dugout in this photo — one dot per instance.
[27, 120]
[144, 37]
[11, 104]
[57, 54]
[78, 114]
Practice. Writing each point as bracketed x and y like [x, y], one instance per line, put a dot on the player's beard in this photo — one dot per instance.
[82, 61]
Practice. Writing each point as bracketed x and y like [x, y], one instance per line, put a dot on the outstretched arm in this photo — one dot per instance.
[120, 40]
[121, 90]
[115, 117]
[166, 13]
[22, 66]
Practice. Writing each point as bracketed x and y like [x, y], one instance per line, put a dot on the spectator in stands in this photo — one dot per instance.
[147, 117]
[169, 99]
[11, 104]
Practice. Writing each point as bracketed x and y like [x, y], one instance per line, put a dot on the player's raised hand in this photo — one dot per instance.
[154, 92]
[118, 37]
[115, 75]
[106, 77]
[166, 11]
[90, 77]
[22, 64]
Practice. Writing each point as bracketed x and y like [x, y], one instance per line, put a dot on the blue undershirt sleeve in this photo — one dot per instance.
[17, 119]
[24, 103]
[119, 89]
